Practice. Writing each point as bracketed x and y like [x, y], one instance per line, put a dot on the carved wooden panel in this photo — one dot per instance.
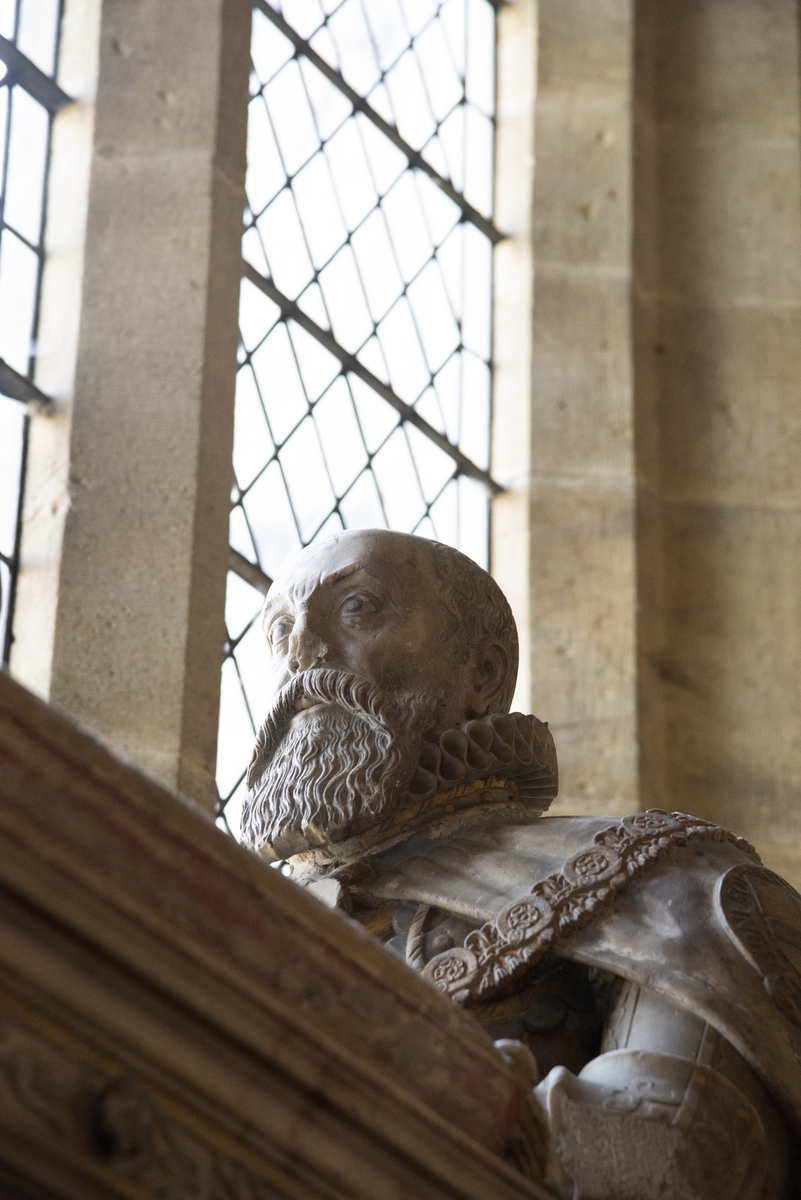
[179, 1022]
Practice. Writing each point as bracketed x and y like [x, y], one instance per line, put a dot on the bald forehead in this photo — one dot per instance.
[400, 561]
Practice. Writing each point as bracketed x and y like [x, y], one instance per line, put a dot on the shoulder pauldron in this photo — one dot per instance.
[495, 956]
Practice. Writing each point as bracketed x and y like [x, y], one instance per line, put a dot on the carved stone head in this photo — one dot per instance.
[380, 643]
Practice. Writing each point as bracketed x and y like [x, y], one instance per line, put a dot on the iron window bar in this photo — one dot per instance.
[23, 73]
[252, 574]
[351, 364]
[20, 387]
[414, 157]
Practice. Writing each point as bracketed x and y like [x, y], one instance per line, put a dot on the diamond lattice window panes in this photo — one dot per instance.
[364, 385]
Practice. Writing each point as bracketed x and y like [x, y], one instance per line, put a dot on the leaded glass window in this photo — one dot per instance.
[29, 98]
[364, 384]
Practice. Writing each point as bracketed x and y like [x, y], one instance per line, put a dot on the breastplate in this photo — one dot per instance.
[571, 1015]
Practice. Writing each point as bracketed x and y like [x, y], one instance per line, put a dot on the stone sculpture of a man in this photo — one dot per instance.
[650, 963]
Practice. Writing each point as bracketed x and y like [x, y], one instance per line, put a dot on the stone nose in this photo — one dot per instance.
[306, 648]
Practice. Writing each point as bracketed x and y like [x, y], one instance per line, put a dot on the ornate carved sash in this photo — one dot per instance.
[496, 955]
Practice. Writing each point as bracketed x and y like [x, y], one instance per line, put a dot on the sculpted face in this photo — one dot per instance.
[367, 661]
[367, 602]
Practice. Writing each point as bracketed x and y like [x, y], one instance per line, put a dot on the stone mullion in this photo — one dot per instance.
[124, 554]
[564, 540]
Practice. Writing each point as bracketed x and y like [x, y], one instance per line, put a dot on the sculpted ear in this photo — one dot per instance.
[488, 676]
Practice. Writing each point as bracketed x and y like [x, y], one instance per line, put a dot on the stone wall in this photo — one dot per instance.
[124, 550]
[657, 471]
[718, 416]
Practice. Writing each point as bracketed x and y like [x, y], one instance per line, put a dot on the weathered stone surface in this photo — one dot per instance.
[718, 337]
[571, 455]
[581, 553]
[132, 590]
[513, 272]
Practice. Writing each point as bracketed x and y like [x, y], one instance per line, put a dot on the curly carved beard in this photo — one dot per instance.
[335, 773]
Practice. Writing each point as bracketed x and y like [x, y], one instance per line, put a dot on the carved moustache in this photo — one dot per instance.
[318, 685]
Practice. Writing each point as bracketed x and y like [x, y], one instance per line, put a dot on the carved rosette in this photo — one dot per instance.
[452, 970]
[496, 955]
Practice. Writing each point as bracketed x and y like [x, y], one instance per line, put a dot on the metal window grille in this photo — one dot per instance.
[29, 99]
[364, 385]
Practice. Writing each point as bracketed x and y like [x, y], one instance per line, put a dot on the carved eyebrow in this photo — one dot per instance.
[342, 573]
[288, 601]
[273, 606]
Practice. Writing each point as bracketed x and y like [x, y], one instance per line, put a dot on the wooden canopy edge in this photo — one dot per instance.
[141, 944]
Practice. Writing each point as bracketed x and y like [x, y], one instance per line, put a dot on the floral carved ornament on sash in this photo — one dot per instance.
[503, 949]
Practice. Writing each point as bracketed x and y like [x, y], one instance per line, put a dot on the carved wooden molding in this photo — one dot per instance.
[164, 990]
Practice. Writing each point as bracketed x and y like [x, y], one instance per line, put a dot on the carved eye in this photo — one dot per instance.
[280, 630]
[358, 605]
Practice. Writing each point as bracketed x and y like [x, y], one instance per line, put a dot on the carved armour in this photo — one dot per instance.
[666, 901]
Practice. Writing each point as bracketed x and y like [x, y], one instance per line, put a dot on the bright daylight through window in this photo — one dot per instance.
[29, 97]
[364, 386]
